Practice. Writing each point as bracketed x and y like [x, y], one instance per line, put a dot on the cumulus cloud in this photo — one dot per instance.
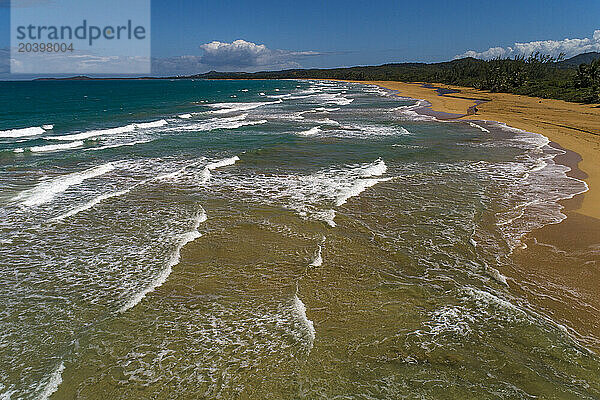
[239, 55]
[243, 54]
[571, 47]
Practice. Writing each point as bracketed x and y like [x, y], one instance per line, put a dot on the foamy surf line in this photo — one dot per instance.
[357, 189]
[206, 175]
[421, 104]
[307, 325]
[226, 108]
[110, 131]
[113, 146]
[173, 260]
[46, 191]
[311, 132]
[119, 193]
[53, 383]
[25, 132]
[92, 203]
[52, 147]
[317, 260]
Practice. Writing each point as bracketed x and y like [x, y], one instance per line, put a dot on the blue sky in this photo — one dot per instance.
[330, 33]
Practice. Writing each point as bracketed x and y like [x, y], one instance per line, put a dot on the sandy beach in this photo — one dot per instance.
[573, 126]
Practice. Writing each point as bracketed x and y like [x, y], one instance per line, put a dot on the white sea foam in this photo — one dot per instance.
[24, 132]
[220, 123]
[308, 326]
[323, 110]
[185, 116]
[56, 147]
[94, 133]
[47, 190]
[173, 260]
[226, 108]
[47, 127]
[153, 124]
[217, 164]
[48, 388]
[329, 121]
[495, 274]
[356, 189]
[91, 204]
[317, 259]
[474, 125]
[311, 132]
[313, 196]
[411, 112]
[335, 98]
[111, 131]
[376, 168]
[222, 163]
[112, 146]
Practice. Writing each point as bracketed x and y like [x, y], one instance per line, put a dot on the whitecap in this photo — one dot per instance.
[474, 125]
[226, 108]
[23, 132]
[47, 190]
[311, 132]
[56, 147]
[111, 131]
[308, 327]
[317, 260]
[112, 146]
[53, 382]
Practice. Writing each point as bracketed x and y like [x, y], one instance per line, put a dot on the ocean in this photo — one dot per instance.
[271, 239]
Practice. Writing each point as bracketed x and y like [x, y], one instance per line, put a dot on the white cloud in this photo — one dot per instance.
[239, 55]
[571, 47]
[242, 54]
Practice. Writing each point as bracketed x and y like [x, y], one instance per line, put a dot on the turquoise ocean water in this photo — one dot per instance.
[270, 239]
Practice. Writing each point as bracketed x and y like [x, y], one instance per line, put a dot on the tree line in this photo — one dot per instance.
[537, 75]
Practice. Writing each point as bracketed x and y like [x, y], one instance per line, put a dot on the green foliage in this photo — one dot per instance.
[588, 80]
[537, 75]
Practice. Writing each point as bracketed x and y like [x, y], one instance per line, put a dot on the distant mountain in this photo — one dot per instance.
[584, 58]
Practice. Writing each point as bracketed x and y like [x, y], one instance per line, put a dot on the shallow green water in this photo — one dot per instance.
[269, 239]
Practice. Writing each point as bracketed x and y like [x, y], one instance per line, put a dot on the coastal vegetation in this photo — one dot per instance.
[576, 79]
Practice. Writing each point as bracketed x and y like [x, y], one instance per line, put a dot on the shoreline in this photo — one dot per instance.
[573, 127]
[556, 256]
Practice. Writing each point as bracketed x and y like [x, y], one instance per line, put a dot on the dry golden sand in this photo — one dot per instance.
[573, 126]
